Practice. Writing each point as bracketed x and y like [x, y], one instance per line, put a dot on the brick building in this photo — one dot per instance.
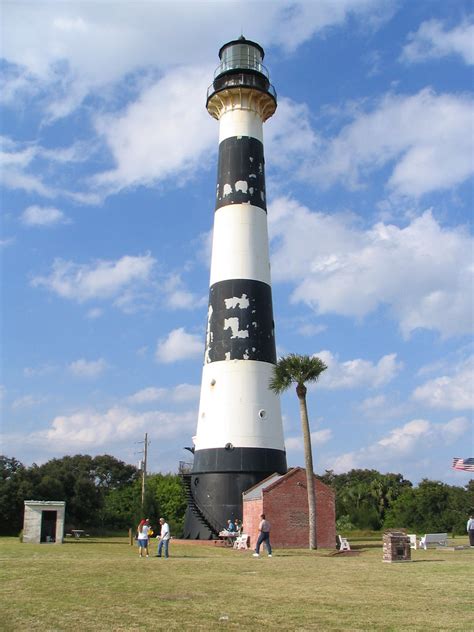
[284, 500]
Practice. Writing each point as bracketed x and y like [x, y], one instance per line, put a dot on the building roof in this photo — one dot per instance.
[255, 492]
[54, 503]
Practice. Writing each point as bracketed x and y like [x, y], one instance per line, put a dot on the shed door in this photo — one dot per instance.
[48, 526]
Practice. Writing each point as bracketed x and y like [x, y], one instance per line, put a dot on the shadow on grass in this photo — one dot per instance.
[79, 542]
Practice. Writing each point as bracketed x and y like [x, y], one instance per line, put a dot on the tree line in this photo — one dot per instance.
[103, 494]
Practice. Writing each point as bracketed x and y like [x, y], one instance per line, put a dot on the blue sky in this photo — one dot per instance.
[109, 163]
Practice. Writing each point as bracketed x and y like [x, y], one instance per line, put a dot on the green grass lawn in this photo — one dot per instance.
[101, 584]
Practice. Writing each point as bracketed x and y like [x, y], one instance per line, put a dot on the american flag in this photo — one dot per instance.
[463, 464]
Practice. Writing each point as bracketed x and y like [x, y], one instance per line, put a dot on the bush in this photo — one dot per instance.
[344, 524]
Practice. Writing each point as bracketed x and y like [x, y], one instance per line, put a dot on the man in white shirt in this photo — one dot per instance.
[164, 538]
[470, 530]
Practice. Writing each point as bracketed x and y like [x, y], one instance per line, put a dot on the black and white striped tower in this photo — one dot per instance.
[239, 439]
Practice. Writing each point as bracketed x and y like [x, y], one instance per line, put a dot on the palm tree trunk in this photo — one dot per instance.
[308, 458]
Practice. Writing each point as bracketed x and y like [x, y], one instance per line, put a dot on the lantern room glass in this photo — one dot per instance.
[241, 56]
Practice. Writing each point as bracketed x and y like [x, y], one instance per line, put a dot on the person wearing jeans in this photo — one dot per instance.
[263, 537]
[164, 538]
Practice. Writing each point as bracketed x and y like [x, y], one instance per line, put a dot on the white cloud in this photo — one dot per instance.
[179, 393]
[59, 44]
[43, 216]
[160, 136]
[319, 437]
[15, 160]
[27, 401]
[289, 136]
[409, 443]
[380, 408]
[147, 395]
[358, 372]
[310, 329]
[39, 371]
[93, 428]
[351, 271]
[21, 162]
[179, 345]
[433, 40]
[8, 241]
[452, 392]
[178, 297]
[88, 368]
[94, 313]
[404, 439]
[455, 428]
[98, 280]
[425, 138]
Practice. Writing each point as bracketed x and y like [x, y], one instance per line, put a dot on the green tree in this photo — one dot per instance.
[299, 370]
[363, 496]
[82, 481]
[171, 499]
[122, 507]
[15, 487]
[431, 507]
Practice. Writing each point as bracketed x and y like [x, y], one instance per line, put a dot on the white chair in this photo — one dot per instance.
[413, 540]
[241, 542]
[343, 544]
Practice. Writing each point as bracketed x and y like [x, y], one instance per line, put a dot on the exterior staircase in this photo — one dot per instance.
[203, 517]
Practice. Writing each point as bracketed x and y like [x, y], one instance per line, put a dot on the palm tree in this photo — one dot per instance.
[300, 369]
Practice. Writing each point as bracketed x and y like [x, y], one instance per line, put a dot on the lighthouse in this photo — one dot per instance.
[239, 437]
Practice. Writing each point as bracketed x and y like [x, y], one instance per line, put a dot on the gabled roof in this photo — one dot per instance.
[256, 492]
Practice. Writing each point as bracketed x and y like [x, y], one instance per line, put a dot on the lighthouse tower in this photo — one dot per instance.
[239, 438]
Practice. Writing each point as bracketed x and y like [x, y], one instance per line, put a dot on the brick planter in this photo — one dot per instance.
[396, 547]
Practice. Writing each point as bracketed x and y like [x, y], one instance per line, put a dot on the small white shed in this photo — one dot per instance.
[44, 521]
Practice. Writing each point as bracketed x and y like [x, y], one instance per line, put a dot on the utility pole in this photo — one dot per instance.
[144, 467]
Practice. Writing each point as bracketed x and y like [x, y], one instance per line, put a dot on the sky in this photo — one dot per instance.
[109, 167]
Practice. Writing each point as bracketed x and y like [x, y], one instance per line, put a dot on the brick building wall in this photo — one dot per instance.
[285, 504]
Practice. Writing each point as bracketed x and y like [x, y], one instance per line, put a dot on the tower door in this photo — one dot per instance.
[48, 526]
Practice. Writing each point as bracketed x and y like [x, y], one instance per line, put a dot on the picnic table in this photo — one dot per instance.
[228, 536]
[77, 533]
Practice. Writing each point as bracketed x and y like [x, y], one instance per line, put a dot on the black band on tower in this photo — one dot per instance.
[230, 459]
[241, 172]
[241, 323]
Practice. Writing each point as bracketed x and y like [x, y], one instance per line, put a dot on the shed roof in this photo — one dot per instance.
[52, 503]
[255, 492]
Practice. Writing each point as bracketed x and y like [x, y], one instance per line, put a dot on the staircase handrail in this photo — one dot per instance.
[208, 517]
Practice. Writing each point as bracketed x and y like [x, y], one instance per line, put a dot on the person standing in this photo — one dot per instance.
[470, 530]
[164, 538]
[142, 537]
[263, 537]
